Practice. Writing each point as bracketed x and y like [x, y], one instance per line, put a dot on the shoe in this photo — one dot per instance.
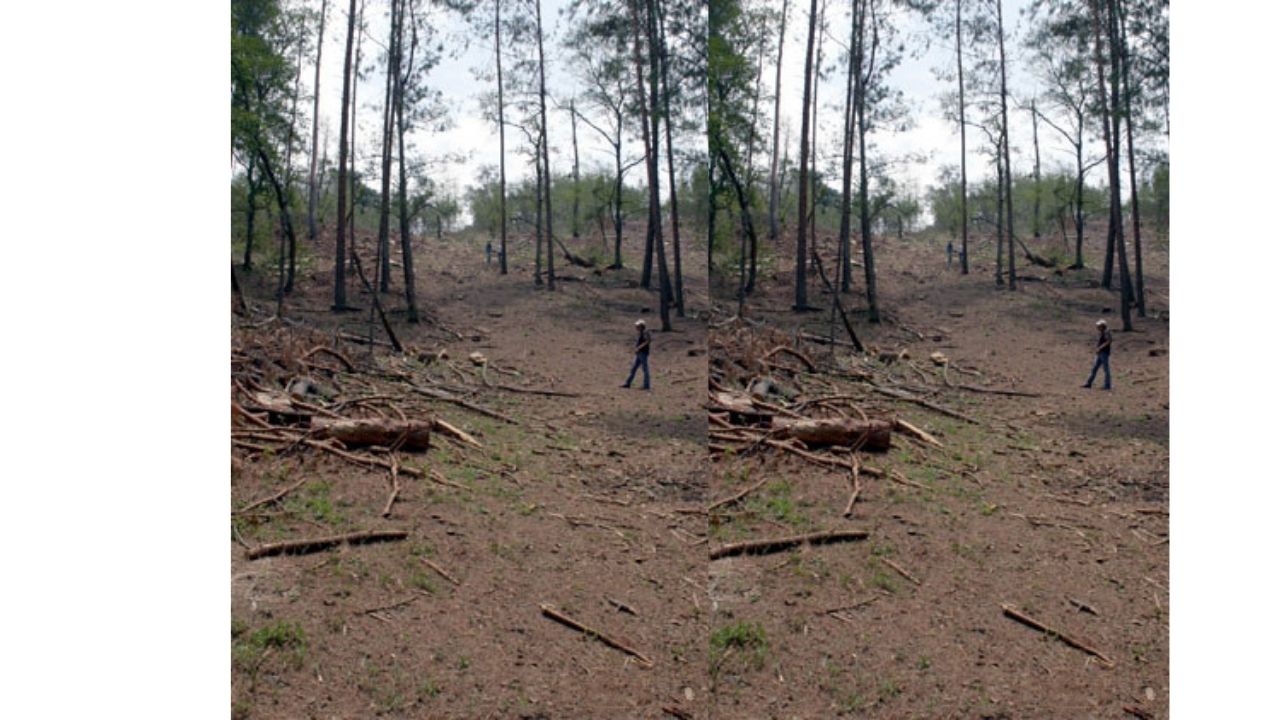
[1087, 387]
[628, 387]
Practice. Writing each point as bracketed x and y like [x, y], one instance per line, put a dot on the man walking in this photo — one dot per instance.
[1103, 356]
[642, 355]
[949, 251]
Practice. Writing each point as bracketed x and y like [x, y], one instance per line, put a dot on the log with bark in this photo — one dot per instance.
[406, 435]
[836, 431]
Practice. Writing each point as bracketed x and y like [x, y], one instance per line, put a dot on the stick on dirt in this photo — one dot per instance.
[310, 545]
[738, 495]
[901, 570]
[272, 498]
[1031, 622]
[771, 545]
[591, 632]
[442, 571]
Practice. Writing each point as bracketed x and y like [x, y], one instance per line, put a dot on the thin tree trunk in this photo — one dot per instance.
[286, 284]
[573, 128]
[1035, 139]
[340, 251]
[777, 106]
[846, 179]
[964, 189]
[282, 198]
[678, 285]
[1138, 285]
[868, 255]
[406, 237]
[1126, 280]
[383, 260]
[537, 210]
[1113, 161]
[312, 190]
[355, 106]
[999, 210]
[251, 211]
[617, 193]
[751, 169]
[502, 139]
[1079, 199]
[664, 278]
[802, 257]
[650, 153]
[1008, 171]
[813, 153]
[546, 152]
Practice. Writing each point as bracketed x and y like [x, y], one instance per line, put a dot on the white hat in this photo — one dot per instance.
[639, 323]
[1101, 323]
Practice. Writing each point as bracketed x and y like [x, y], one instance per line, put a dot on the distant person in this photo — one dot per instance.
[488, 251]
[643, 339]
[1102, 356]
[949, 249]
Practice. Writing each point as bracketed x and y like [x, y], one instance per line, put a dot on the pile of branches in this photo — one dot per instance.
[293, 390]
[767, 393]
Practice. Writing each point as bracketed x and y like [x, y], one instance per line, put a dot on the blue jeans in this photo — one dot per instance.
[642, 361]
[1104, 362]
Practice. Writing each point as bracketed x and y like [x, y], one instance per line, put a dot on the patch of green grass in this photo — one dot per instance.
[923, 663]
[883, 581]
[882, 549]
[888, 689]
[282, 639]
[313, 501]
[745, 639]
[420, 580]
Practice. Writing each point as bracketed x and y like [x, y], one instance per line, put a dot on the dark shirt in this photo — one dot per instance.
[1104, 342]
[642, 342]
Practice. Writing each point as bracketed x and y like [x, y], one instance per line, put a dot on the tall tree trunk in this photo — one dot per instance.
[1000, 209]
[282, 199]
[751, 169]
[777, 106]
[964, 181]
[813, 152]
[1079, 198]
[1035, 139]
[802, 257]
[617, 192]
[1111, 139]
[573, 128]
[383, 260]
[846, 178]
[406, 237]
[1138, 285]
[340, 251]
[312, 190]
[650, 152]
[664, 277]
[502, 140]
[286, 284]
[661, 44]
[1126, 280]
[537, 210]
[868, 255]
[251, 210]
[546, 151]
[355, 106]
[1008, 171]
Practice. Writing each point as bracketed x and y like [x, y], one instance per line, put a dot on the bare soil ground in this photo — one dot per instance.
[592, 504]
[1055, 504]
[574, 506]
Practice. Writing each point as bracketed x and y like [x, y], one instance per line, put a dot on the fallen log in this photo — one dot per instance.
[776, 544]
[362, 432]
[310, 545]
[836, 431]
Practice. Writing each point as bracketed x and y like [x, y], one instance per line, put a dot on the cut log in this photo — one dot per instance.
[405, 435]
[836, 431]
[785, 543]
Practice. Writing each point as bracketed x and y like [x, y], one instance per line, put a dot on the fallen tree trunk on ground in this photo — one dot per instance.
[836, 431]
[776, 544]
[405, 435]
[310, 545]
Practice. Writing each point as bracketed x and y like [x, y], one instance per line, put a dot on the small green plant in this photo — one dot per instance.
[741, 637]
[284, 639]
[923, 663]
[883, 581]
[888, 689]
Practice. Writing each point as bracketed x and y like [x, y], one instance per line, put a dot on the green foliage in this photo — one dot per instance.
[284, 639]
